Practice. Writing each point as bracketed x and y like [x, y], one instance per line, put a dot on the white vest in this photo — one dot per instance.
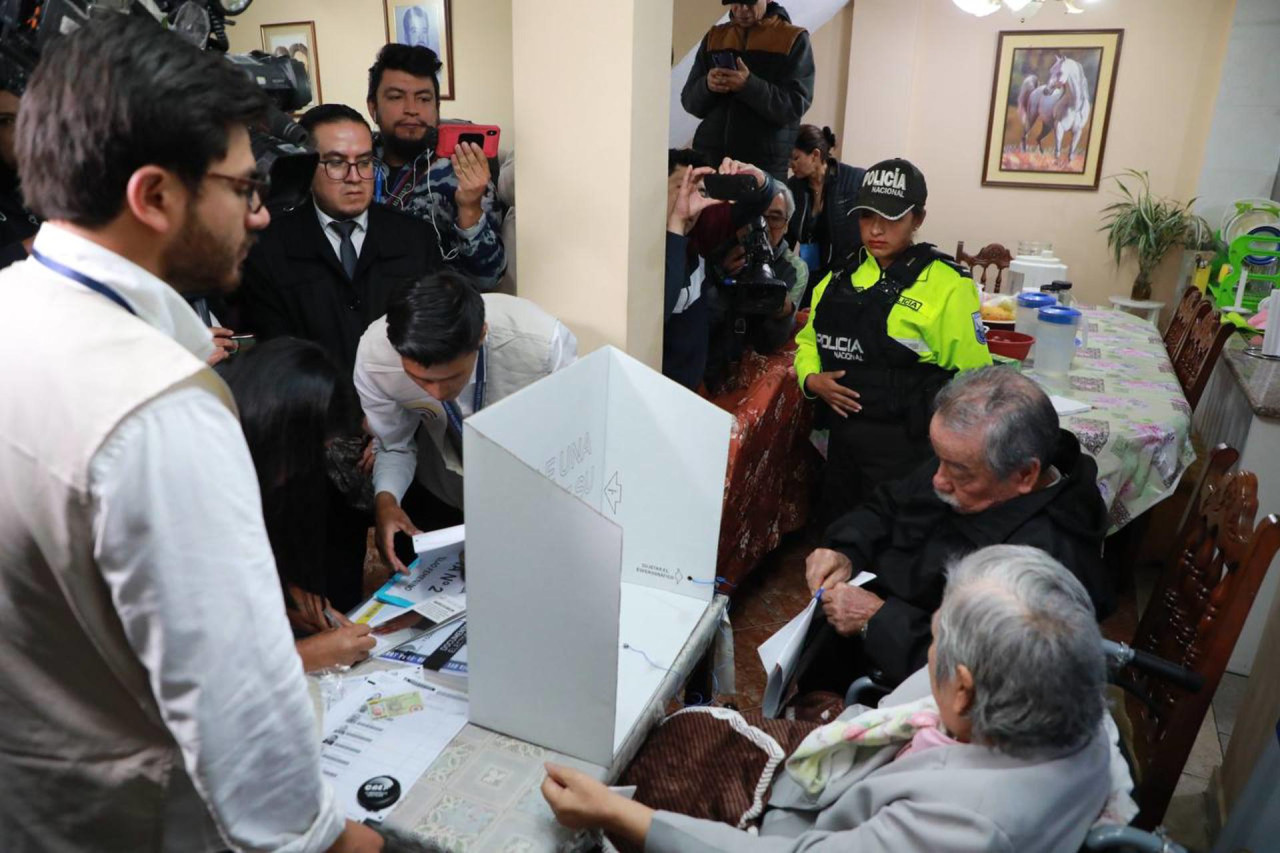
[517, 352]
[85, 759]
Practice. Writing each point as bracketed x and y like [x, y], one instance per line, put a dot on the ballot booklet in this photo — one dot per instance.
[381, 734]
[441, 652]
[434, 585]
[780, 654]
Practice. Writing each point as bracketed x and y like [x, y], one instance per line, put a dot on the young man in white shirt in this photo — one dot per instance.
[151, 694]
[442, 353]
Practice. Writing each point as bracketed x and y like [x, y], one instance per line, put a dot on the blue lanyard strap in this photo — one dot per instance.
[77, 276]
[477, 398]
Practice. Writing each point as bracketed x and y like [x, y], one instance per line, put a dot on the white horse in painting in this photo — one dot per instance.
[1061, 103]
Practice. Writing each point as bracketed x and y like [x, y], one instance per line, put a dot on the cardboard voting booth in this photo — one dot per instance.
[593, 502]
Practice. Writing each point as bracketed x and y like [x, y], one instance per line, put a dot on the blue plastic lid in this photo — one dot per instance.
[1032, 299]
[1060, 315]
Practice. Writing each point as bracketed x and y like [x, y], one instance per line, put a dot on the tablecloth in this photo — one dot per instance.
[1139, 429]
[772, 466]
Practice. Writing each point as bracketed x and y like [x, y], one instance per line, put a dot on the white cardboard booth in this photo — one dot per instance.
[593, 502]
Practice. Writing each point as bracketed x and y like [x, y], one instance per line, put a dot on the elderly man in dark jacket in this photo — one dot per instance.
[1005, 473]
[751, 81]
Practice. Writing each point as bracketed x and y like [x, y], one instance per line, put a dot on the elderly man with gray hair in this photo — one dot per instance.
[998, 744]
[1004, 473]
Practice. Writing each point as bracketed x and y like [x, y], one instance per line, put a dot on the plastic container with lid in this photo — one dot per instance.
[1037, 266]
[1061, 290]
[1026, 321]
[1056, 339]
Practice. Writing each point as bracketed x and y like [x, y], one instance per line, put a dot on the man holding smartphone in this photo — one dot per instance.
[751, 81]
[454, 195]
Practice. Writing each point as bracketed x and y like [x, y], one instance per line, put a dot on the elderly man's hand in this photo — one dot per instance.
[825, 568]
[848, 608]
[730, 166]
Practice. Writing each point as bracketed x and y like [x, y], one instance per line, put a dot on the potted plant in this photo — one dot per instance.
[1151, 226]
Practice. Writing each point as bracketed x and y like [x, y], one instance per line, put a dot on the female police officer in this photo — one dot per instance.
[883, 338]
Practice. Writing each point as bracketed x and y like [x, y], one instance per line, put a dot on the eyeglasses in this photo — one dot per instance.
[776, 220]
[254, 191]
[337, 170]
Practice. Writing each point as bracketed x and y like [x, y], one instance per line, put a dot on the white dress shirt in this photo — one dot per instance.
[180, 541]
[335, 239]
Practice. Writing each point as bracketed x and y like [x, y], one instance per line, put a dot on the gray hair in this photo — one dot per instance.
[1026, 629]
[1018, 419]
[788, 200]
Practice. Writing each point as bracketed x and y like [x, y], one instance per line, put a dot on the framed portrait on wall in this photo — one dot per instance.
[1050, 107]
[298, 40]
[426, 23]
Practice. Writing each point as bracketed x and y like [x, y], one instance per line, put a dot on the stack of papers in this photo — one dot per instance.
[386, 724]
[441, 652]
[430, 595]
[780, 654]
[1066, 406]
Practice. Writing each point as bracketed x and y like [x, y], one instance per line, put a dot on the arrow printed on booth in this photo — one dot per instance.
[613, 493]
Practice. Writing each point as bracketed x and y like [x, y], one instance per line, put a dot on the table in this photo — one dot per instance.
[482, 793]
[1139, 429]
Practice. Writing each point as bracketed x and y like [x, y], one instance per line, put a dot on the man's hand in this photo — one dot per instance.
[688, 200]
[735, 260]
[367, 457]
[390, 519]
[848, 608]
[472, 170]
[842, 400]
[357, 838]
[224, 347]
[343, 646]
[730, 166]
[726, 81]
[825, 568]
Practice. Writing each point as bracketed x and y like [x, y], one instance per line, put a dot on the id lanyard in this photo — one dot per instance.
[77, 276]
[477, 398]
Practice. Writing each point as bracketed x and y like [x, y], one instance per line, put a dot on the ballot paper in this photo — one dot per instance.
[363, 740]
[433, 585]
[780, 654]
[1066, 406]
[442, 649]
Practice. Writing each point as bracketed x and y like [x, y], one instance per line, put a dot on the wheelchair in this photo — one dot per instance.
[1124, 839]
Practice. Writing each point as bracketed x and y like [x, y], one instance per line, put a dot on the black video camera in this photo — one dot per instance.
[755, 289]
[279, 146]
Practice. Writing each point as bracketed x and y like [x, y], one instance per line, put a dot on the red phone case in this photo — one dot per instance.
[451, 134]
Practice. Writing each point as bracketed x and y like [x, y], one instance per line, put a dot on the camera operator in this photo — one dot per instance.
[152, 696]
[17, 225]
[708, 322]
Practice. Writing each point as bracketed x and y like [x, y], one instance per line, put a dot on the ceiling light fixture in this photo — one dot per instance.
[1023, 8]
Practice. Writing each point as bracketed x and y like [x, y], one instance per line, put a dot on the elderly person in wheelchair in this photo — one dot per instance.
[998, 744]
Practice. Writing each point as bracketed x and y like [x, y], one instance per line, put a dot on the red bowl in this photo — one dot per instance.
[1009, 344]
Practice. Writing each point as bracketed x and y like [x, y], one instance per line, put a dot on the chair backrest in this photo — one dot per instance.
[988, 266]
[1194, 618]
[1183, 319]
[1199, 352]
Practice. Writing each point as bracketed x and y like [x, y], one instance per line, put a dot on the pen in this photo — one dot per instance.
[331, 619]
[818, 594]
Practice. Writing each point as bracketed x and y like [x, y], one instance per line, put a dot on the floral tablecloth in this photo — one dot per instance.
[1139, 429]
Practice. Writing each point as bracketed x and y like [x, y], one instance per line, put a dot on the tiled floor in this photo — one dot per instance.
[776, 591]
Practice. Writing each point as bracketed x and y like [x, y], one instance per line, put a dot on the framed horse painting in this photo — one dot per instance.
[1050, 105]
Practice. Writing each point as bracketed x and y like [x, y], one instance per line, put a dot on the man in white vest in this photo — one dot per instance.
[442, 353]
[150, 693]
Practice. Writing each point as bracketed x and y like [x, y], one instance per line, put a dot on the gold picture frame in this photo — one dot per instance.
[298, 40]
[1050, 108]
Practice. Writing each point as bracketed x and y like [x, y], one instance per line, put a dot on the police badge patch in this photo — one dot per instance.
[979, 330]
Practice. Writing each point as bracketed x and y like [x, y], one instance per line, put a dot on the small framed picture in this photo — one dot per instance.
[1050, 105]
[425, 24]
[298, 40]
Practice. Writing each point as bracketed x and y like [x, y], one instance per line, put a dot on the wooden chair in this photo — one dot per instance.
[1183, 319]
[1199, 352]
[992, 257]
[1194, 617]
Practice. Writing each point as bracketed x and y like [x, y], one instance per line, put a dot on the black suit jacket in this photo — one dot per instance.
[294, 283]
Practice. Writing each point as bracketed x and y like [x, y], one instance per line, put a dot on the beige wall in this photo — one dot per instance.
[920, 76]
[831, 45]
[349, 34]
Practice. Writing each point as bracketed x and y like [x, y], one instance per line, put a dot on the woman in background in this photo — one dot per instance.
[823, 229]
[293, 402]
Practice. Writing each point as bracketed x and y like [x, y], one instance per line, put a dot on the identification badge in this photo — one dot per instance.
[386, 707]
[979, 328]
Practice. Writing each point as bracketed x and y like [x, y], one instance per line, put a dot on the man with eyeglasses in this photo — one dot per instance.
[323, 271]
[151, 693]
